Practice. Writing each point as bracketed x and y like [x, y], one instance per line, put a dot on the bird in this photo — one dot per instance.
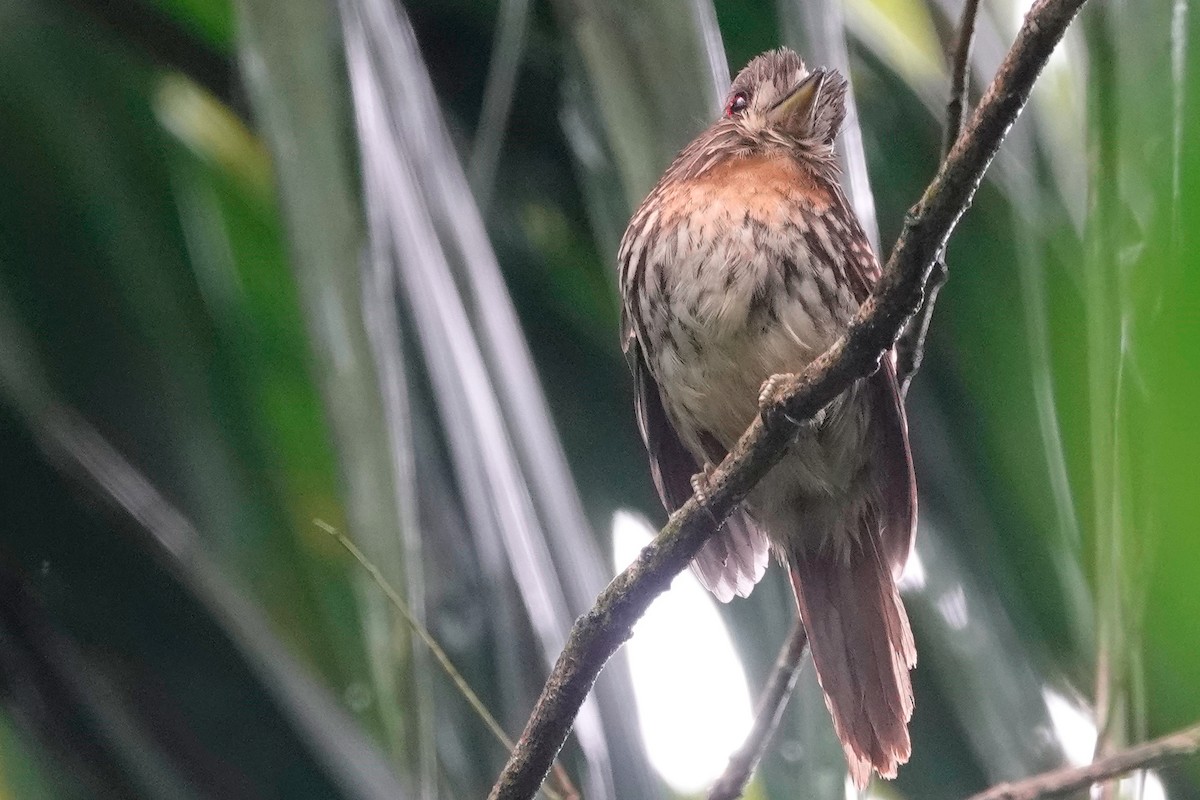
[743, 265]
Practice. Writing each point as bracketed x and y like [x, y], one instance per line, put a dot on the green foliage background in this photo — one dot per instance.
[210, 339]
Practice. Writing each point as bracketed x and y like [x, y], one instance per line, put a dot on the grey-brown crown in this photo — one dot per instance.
[771, 77]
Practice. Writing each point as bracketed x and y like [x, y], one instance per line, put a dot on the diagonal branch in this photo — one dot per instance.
[910, 350]
[874, 329]
[1073, 779]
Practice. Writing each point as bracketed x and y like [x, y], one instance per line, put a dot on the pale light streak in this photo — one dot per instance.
[692, 700]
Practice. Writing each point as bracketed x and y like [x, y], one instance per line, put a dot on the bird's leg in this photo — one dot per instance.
[778, 388]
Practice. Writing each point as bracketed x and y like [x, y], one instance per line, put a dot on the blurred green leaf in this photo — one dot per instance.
[210, 19]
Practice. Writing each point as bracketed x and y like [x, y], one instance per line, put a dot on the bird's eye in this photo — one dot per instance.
[737, 104]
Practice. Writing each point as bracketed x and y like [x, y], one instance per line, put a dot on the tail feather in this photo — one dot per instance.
[731, 562]
[863, 649]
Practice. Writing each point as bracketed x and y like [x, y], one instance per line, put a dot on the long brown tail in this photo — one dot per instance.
[863, 649]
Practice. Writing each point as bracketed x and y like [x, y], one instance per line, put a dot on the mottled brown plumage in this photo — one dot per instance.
[746, 261]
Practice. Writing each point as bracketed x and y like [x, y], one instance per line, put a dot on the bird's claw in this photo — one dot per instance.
[702, 483]
[778, 388]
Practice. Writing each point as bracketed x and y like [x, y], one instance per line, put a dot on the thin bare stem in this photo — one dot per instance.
[871, 334]
[960, 76]
[767, 714]
[910, 350]
[1073, 779]
[569, 792]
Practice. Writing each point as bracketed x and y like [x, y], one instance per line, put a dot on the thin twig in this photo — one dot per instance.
[873, 331]
[569, 792]
[512, 27]
[960, 76]
[910, 350]
[1072, 779]
[767, 713]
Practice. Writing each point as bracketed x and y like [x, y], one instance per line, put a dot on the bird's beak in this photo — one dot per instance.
[795, 112]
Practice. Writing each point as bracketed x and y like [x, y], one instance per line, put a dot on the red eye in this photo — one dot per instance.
[737, 104]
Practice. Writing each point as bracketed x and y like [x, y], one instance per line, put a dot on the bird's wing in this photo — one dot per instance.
[861, 267]
[671, 465]
[734, 560]
[893, 459]
[894, 456]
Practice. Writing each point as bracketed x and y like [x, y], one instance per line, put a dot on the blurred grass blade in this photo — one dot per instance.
[1165, 350]
[296, 87]
[1063, 541]
[493, 323]
[1134, 290]
[607, 202]
[902, 34]
[817, 30]
[641, 66]
[507, 47]
[1103, 304]
[401, 219]
[384, 332]
[708, 36]
[510, 464]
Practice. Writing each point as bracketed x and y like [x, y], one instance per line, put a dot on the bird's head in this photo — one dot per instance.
[776, 98]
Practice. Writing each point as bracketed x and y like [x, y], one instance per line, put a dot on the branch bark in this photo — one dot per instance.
[873, 331]
[767, 713]
[1072, 779]
[910, 350]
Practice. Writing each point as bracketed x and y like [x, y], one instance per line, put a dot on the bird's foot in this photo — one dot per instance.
[702, 483]
[779, 388]
[776, 388]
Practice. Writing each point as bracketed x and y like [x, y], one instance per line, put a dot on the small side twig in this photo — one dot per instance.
[960, 76]
[1072, 779]
[767, 714]
[910, 350]
[870, 336]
